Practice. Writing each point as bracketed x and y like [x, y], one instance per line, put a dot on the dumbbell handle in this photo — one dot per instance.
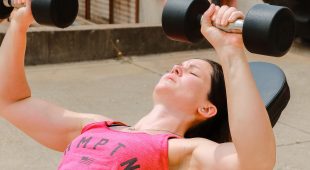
[8, 3]
[234, 27]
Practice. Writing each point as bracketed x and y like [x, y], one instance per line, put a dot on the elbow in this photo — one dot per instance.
[266, 157]
[263, 165]
[271, 161]
[6, 101]
[268, 165]
[265, 161]
[3, 105]
[10, 94]
[268, 160]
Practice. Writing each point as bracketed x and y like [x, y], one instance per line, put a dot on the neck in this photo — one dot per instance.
[166, 120]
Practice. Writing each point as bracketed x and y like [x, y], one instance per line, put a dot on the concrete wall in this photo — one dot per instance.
[47, 45]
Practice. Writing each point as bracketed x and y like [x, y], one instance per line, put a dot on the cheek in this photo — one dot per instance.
[195, 88]
[193, 82]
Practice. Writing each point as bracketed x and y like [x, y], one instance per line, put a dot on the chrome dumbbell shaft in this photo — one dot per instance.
[235, 27]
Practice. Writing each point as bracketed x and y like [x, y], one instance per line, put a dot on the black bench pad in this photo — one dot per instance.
[272, 85]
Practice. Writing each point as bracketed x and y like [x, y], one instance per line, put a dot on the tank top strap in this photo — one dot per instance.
[114, 123]
[103, 124]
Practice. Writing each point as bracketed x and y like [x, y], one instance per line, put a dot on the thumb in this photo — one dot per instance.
[206, 19]
[207, 28]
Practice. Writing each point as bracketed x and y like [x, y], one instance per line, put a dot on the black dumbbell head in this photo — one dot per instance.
[59, 13]
[181, 19]
[5, 11]
[268, 30]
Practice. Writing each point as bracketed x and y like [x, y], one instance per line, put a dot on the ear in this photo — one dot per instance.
[207, 111]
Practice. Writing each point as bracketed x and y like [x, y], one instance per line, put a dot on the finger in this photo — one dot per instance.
[217, 8]
[206, 17]
[226, 15]
[220, 14]
[20, 2]
[28, 4]
[236, 15]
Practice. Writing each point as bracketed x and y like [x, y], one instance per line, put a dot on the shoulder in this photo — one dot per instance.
[181, 151]
[201, 153]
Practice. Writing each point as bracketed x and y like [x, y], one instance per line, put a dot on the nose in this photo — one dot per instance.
[177, 69]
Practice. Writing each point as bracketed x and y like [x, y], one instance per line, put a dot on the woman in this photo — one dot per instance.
[92, 141]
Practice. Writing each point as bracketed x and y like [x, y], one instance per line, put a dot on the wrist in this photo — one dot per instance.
[21, 27]
[230, 55]
[230, 51]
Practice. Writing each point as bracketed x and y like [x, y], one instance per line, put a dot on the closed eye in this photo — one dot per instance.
[194, 74]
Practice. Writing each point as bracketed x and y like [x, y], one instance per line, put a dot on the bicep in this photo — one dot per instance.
[210, 155]
[50, 125]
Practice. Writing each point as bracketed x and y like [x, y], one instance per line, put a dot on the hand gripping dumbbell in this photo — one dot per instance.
[59, 13]
[266, 29]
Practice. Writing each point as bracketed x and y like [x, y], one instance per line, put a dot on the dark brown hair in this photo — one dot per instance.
[217, 127]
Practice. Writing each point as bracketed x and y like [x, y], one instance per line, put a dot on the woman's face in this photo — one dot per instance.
[185, 86]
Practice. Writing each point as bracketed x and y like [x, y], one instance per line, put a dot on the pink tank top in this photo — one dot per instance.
[99, 147]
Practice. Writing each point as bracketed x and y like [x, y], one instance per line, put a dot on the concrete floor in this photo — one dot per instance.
[122, 90]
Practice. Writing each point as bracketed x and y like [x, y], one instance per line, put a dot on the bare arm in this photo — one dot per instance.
[50, 125]
[253, 144]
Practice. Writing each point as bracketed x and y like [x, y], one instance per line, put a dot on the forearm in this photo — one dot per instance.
[250, 127]
[13, 86]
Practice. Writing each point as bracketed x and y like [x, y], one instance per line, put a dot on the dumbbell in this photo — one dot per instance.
[266, 29]
[59, 13]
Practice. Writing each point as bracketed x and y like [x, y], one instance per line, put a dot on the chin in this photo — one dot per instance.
[162, 91]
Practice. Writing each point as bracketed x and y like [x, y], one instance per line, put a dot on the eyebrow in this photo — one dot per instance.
[194, 66]
[190, 66]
